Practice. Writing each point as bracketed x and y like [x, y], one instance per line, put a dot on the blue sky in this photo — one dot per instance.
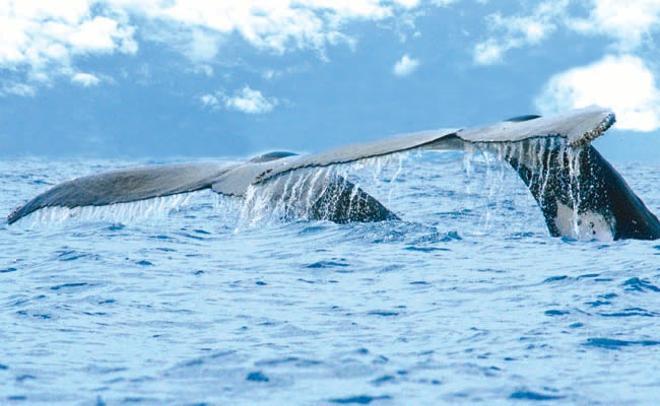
[151, 78]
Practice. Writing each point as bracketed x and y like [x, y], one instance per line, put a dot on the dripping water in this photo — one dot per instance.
[546, 159]
[492, 190]
[294, 195]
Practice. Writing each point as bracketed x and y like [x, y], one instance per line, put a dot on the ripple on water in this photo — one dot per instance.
[359, 400]
[555, 312]
[257, 376]
[640, 285]
[70, 285]
[295, 361]
[72, 255]
[615, 344]
[383, 313]
[531, 395]
[556, 278]
[333, 263]
[425, 249]
[630, 312]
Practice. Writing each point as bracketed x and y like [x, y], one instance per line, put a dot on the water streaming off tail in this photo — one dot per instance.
[493, 196]
[484, 193]
[554, 174]
[151, 209]
[419, 186]
[319, 193]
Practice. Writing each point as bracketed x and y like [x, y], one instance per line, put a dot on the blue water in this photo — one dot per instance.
[467, 299]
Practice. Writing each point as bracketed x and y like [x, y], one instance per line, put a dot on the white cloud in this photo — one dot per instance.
[209, 100]
[18, 89]
[488, 52]
[40, 38]
[246, 100]
[511, 32]
[405, 66]
[203, 46]
[623, 83]
[85, 79]
[43, 38]
[250, 101]
[628, 22]
[276, 26]
[443, 3]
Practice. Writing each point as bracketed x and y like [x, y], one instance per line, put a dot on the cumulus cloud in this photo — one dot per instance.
[42, 39]
[39, 39]
[276, 26]
[623, 83]
[245, 100]
[629, 24]
[510, 32]
[405, 66]
[85, 79]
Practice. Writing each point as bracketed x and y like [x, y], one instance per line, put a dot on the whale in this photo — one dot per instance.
[580, 194]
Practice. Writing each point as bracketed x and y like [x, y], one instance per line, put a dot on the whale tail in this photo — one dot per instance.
[580, 194]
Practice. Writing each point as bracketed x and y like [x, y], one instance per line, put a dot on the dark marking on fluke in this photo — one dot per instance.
[567, 176]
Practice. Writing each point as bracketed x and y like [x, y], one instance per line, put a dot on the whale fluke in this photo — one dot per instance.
[580, 194]
[122, 186]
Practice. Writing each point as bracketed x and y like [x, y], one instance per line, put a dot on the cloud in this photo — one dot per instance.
[630, 23]
[209, 100]
[43, 39]
[623, 83]
[275, 26]
[489, 52]
[39, 39]
[405, 66]
[18, 89]
[85, 79]
[250, 101]
[511, 32]
[245, 100]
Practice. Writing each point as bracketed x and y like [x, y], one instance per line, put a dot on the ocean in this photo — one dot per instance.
[204, 300]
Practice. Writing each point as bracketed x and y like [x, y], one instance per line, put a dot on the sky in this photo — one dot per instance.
[202, 78]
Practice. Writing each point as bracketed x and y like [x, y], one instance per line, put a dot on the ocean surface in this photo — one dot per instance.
[202, 300]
